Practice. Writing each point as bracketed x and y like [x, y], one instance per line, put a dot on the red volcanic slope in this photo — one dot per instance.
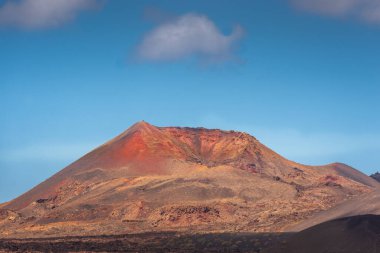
[148, 150]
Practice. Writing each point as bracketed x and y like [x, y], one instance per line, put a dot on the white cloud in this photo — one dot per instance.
[188, 35]
[367, 10]
[37, 14]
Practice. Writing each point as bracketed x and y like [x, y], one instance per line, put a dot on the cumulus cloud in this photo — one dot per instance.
[367, 10]
[187, 35]
[36, 14]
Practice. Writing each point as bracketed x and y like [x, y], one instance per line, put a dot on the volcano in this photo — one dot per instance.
[179, 179]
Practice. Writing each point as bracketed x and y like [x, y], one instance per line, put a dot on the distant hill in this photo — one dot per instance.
[376, 176]
[179, 179]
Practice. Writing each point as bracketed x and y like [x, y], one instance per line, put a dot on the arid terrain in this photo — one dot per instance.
[357, 234]
[161, 180]
[151, 243]
[365, 204]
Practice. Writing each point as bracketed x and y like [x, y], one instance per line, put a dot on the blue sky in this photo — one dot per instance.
[302, 76]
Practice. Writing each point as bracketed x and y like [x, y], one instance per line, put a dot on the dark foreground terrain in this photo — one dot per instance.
[357, 234]
[149, 242]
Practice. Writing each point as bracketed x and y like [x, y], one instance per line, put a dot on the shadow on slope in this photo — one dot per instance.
[359, 234]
